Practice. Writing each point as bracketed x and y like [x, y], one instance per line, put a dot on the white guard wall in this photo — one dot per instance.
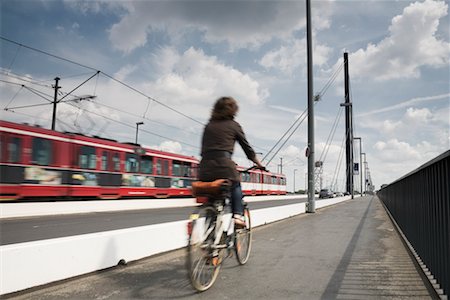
[30, 264]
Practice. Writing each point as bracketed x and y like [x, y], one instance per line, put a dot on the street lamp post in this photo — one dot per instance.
[295, 170]
[360, 163]
[137, 130]
[365, 173]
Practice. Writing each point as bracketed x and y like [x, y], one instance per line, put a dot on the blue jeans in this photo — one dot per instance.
[236, 198]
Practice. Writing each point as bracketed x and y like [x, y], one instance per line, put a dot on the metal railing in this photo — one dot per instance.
[420, 204]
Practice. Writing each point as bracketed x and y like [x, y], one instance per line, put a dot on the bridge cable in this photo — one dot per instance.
[319, 95]
[287, 131]
[338, 164]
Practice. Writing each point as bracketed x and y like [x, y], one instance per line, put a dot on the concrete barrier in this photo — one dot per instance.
[33, 209]
[31, 264]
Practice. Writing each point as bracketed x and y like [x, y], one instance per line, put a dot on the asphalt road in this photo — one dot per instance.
[46, 227]
[347, 251]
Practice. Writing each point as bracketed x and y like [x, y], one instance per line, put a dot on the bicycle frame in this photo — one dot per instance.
[224, 224]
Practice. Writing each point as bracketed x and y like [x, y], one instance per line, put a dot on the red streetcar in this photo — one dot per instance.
[41, 163]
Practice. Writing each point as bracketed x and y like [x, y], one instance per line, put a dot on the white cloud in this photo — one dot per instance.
[193, 77]
[415, 124]
[289, 57]
[241, 24]
[418, 115]
[411, 44]
[403, 156]
[390, 126]
[171, 146]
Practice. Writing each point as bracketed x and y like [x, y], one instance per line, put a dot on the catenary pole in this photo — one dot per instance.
[311, 186]
[348, 129]
[55, 101]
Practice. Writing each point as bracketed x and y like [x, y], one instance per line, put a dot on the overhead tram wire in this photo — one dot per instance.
[151, 98]
[107, 75]
[135, 115]
[47, 53]
[14, 58]
[132, 126]
[14, 97]
[40, 94]
[34, 91]
[18, 77]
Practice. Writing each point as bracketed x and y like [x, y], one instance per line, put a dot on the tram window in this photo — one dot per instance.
[41, 152]
[104, 162]
[116, 162]
[131, 163]
[193, 171]
[165, 167]
[245, 177]
[162, 167]
[187, 171]
[87, 158]
[147, 165]
[177, 168]
[158, 167]
[14, 149]
[274, 180]
[181, 169]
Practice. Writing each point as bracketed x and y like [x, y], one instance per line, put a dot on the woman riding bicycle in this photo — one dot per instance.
[219, 136]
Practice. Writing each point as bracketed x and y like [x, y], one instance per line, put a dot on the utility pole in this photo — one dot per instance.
[348, 129]
[281, 165]
[360, 164]
[55, 101]
[311, 187]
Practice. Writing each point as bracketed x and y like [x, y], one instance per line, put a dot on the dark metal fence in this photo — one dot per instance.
[420, 204]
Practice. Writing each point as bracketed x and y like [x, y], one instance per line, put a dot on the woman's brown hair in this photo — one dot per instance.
[225, 108]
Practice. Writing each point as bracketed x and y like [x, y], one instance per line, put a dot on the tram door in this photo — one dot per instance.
[162, 179]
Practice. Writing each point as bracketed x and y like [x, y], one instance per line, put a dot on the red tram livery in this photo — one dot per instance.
[37, 162]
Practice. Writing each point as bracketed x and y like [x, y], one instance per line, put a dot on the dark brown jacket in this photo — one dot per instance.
[220, 136]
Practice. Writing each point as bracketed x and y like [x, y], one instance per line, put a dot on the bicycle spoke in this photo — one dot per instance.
[202, 269]
[243, 240]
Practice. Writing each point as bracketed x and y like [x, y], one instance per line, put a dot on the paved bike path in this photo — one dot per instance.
[347, 251]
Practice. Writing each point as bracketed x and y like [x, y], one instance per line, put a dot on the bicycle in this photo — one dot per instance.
[213, 235]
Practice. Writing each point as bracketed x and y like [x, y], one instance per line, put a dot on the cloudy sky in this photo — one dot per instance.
[166, 62]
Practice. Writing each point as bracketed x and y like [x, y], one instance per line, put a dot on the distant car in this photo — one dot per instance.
[339, 194]
[326, 193]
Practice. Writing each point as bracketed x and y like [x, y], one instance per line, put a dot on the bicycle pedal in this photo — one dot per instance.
[215, 261]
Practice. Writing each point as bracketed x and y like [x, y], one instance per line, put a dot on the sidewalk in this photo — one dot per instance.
[347, 251]
[375, 263]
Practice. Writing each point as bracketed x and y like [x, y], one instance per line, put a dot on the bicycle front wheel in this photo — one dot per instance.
[202, 261]
[243, 239]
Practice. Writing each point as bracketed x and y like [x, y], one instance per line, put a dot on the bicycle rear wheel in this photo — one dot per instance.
[243, 239]
[202, 263]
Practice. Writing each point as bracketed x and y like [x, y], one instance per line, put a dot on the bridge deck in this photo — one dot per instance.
[347, 251]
